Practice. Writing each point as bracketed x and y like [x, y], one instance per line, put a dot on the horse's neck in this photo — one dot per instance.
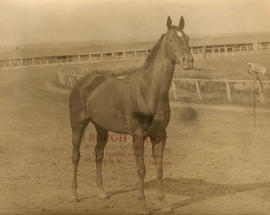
[155, 79]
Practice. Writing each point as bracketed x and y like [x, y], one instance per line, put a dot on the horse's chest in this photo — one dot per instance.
[156, 121]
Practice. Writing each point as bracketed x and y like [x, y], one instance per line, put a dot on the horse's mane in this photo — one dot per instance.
[147, 62]
[153, 51]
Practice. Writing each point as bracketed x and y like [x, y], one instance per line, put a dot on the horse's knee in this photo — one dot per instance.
[76, 157]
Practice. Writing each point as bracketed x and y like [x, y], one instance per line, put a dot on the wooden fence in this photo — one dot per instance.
[246, 85]
[197, 51]
[69, 78]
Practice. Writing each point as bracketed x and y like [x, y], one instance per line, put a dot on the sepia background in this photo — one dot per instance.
[216, 161]
[28, 21]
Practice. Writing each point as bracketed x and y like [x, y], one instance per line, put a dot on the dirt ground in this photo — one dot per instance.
[214, 162]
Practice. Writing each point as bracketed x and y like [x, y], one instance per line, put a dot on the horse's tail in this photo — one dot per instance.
[76, 108]
[73, 98]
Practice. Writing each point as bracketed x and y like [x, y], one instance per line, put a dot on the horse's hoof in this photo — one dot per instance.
[74, 199]
[103, 195]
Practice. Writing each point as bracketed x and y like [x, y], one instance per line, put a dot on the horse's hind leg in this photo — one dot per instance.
[78, 123]
[77, 133]
[102, 138]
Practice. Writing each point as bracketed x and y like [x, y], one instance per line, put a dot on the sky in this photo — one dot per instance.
[45, 21]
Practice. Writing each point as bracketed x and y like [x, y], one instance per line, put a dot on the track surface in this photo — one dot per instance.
[213, 165]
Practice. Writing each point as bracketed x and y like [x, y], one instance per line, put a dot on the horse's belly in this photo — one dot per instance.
[112, 120]
[108, 111]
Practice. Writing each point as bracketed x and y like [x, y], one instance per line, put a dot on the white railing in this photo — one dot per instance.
[198, 52]
[228, 85]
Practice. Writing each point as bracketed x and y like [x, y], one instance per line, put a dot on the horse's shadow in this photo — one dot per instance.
[196, 189]
[199, 190]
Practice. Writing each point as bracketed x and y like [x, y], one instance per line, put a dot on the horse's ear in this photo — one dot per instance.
[169, 22]
[182, 23]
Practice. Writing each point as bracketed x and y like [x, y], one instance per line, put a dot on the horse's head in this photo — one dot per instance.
[177, 44]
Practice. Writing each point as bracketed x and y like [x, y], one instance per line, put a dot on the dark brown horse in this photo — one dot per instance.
[137, 105]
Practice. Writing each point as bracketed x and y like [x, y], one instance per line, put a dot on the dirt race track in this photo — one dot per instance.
[214, 163]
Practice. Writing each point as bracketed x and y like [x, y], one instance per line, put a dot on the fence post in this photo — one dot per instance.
[174, 90]
[228, 91]
[204, 52]
[261, 93]
[70, 81]
[60, 76]
[198, 90]
[66, 81]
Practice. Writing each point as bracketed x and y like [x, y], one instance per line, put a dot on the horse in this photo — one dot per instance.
[136, 105]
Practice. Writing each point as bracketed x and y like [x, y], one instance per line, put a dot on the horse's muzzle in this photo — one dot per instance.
[187, 63]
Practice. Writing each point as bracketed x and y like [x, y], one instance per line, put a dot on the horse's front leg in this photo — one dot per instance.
[158, 145]
[138, 148]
